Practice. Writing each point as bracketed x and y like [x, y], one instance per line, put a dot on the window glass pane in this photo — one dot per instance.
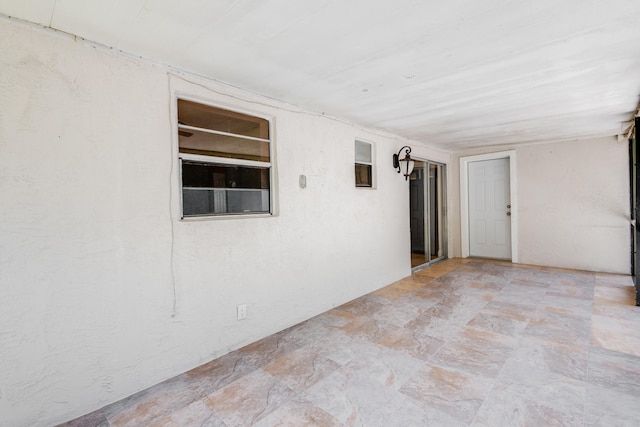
[209, 144]
[210, 189]
[205, 116]
[363, 175]
[363, 152]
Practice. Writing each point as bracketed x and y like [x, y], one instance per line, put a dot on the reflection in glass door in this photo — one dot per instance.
[427, 211]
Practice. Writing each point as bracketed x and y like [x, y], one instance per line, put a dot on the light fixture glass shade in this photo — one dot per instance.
[406, 166]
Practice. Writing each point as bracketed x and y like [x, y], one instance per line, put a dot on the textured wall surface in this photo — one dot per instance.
[572, 204]
[104, 290]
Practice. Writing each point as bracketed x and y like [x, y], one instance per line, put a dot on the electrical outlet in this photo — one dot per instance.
[242, 311]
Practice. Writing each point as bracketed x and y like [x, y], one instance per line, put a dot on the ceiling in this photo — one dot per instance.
[452, 74]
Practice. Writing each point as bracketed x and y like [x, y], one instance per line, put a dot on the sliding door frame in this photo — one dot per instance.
[427, 217]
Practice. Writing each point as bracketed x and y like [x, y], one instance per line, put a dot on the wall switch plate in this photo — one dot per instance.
[242, 311]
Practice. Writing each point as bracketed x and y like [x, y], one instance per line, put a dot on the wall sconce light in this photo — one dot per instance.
[404, 165]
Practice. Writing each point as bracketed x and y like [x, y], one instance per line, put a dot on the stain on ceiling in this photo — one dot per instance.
[454, 75]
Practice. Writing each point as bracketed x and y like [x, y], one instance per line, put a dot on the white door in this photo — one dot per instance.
[489, 209]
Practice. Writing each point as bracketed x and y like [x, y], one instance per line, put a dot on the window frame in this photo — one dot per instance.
[371, 164]
[223, 161]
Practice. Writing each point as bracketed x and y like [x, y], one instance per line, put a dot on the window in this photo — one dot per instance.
[364, 164]
[225, 161]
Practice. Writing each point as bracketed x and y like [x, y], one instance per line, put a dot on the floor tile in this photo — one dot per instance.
[363, 306]
[155, 402]
[93, 419]
[401, 411]
[616, 334]
[456, 309]
[346, 398]
[608, 279]
[368, 328]
[497, 324]
[398, 314]
[559, 330]
[196, 414]
[615, 295]
[338, 346]
[531, 359]
[436, 327]
[249, 399]
[381, 365]
[570, 306]
[614, 370]
[457, 394]
[296, 414]
[522, 292]
[509, 310]
[415, 343]
[475, 352]
[390, 292]
[301, 369]
[609, 408]
[552, 402]
[617, 311]
[401, 287]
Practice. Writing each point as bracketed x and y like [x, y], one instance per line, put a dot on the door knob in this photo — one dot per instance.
[508, 213]
[508, 206]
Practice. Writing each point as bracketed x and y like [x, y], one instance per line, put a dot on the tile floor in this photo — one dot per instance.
[465, 342]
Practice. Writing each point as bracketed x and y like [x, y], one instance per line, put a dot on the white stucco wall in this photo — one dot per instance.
[104, 290]
[572, 204]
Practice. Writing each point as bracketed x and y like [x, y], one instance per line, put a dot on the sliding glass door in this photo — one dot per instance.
[427, 213]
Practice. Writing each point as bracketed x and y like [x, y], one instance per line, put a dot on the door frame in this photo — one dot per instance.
[464, 198]
[445, 218]
[444, 227]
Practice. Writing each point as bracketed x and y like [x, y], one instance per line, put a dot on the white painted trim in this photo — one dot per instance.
[217, 132]
[224, 160]
[180, 93]
[464, 198]
[373, 163]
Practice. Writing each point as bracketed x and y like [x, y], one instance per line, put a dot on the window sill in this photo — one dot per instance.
[226, 217]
